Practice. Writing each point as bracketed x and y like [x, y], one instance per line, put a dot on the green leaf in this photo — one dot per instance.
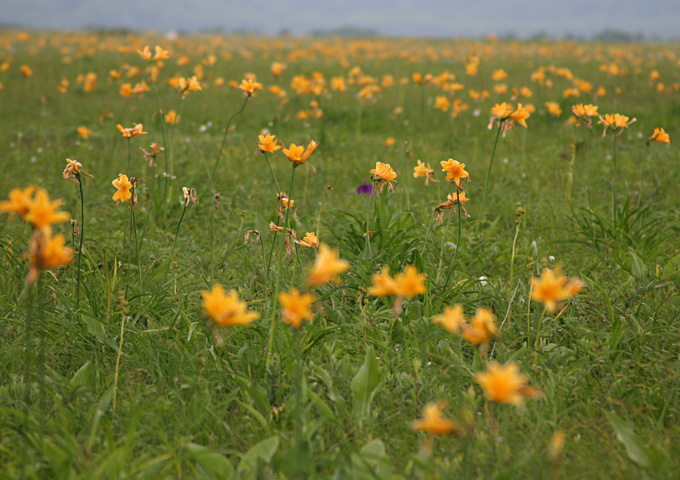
[263, 451]
[626, 435]
[364, 384]
[209, 463]
[638, 267]
[84, 377]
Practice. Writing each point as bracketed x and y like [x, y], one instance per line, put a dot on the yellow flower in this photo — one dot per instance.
[659, 135]
[501, 111]
[410, 283]
[268, 143]
[47, 252]
[171, 117]
[145, 54]
[138, 129]
[442, 103]
[504, 384]
[277, 68]
[452, 319]
[226, 310]
[19, 201]
[160, 54]
[455, 170]
[26, 71]
[186, 85]
[553, 108]
[84, 132]
[296, 307]
[299, 154]
[482, 327]
[499, 75]
[616, 122]
[310, 240]
[383, 284]
[434, 421]
[249, 87]
[553, 287]
[590, 110]
[384, 173]
[423, 170]
[42, 212]
[520, 115]
[123, 194]
[327, 267]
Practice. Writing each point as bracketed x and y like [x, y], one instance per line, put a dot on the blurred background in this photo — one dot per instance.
[578, 19]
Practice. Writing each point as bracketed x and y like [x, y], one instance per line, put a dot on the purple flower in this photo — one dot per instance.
[366, 188]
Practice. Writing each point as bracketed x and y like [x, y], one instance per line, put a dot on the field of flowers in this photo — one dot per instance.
[290, 258]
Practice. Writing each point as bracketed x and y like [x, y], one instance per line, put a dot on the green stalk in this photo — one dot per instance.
[82, 234]
[134, 229]
[614, 186]
[224, 139]
[488, 175]
[174, 242]
[427, 234]
[455, 255]
[212, 243]
[127, 170]
[642, 174]
[271, 170]
[120, 350]
[272, 326]
[512, 257]
[538, 336]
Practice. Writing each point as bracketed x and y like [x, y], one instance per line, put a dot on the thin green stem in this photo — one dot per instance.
[120, 351]
[538, 336]
[512, 257]
[368, 214]
[455, 255]
[82, 234]
[224, 139]
[642, 174]
[614, 187]
[212, 243]
[272, 326]
[174, 242]
[488, 175]
[427, 234]
[127, 170]
[139, 258]
[271, 170]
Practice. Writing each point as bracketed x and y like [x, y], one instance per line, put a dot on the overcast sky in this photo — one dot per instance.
[439, 18]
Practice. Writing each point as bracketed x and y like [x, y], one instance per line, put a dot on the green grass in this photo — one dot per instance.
[198, 402]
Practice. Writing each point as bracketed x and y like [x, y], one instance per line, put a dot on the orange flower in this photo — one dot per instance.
[123, 194]
[42, 212]
[504, 384]
[383, 172]
[138, 129]
[520, 115]
[482, 327]
[249, 87]
[298, 154]
[410, 283]
[310, 240]
[160, 54]
[615, 122]
[553, 108]
[553, 287]
[327, 267]
[268, 143]
[84, 132]
[659, 135]
[277, 68]
[47, 252]
[296, 307]
[423, 170]
[501, 111]
[145, 54]
[455, 170]
[452, 319]
[186, 85]
[434, 421]
[383, 284]
[171, 117]
[226, 310]
[19, 201]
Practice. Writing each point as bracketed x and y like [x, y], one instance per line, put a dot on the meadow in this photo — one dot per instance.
[249, 311]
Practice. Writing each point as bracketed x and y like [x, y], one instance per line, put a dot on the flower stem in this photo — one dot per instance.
[427, 233]
[512, 257]
[272, 326]
[127, 170]
[538, 336]
[488, 175]
[120, 350]
[82, 234]
[642, 174]
[139, 258]
[224, 139]
[614, 187]
[172, 250]
[455, 255]
[278, 189]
